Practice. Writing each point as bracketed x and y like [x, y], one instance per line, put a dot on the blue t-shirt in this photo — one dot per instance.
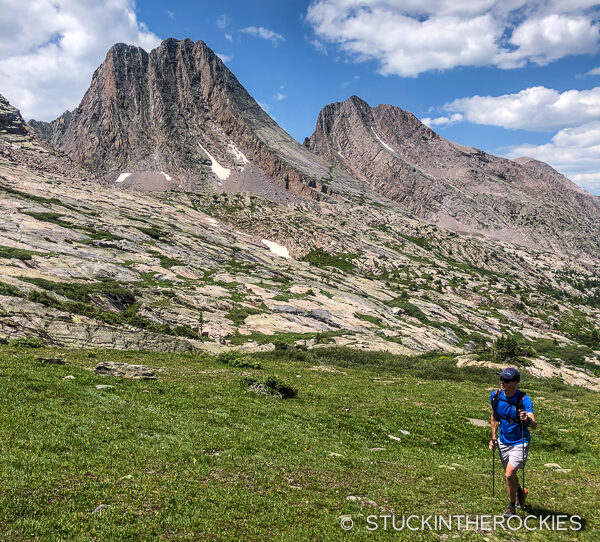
[510, 425]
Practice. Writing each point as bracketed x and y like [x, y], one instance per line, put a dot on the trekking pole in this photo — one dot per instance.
[523, 464]
[493, 472]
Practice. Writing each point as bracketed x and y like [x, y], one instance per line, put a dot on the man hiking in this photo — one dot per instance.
[512, 412]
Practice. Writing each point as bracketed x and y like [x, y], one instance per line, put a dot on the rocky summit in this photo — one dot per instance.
[178, 119]
[169, 212]
[521, 201]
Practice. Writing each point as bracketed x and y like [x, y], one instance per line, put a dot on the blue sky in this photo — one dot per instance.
[512, 77]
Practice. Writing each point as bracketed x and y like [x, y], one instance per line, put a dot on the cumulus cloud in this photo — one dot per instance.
[50, 48]
[575, 152]
[408, 37]
[264, 33]
[594, 71]
[573, 116]
[442, 121]
[536, 108]
[225, 58]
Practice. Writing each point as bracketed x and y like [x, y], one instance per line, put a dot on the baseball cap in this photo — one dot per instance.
[510, 373]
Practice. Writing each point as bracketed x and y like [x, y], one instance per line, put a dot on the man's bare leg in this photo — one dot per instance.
[512, 482]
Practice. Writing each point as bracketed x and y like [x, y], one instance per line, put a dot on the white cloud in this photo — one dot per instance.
[228, 37]
[535, 108]
[264, 33]
[443, 121]
[50, 48]
[171, 14]
[279, 96]
[595, 71]
[225, 58]
[223, 21]
[408, 37]
[264, 106]
[575, 152]
[319, 46]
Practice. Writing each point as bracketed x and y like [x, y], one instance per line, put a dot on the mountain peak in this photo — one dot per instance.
[11, 121]
[177, 118]
[456, 187]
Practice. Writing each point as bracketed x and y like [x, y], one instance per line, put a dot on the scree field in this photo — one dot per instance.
[197, 455]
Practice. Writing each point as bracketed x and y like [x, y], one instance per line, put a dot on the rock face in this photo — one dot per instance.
[462, 188]
[89, 265]
[177, 118]
[11, 121]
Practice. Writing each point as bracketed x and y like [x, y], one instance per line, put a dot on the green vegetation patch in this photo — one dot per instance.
[17, 253]
[371, 319]
[82, 296]
[193, 455]
[238, 314]
[321, 258]
[166, 261]
[270, 385]
[37, 199]
[151, 231]
[10, 290]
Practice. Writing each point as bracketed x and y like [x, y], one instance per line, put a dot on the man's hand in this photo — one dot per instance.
[524, 416]
[493, 444]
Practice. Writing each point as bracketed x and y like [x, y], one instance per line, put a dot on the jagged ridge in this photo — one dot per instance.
[459, 187]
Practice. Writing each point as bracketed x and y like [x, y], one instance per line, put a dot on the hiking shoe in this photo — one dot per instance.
[510, 511]
[521, 497]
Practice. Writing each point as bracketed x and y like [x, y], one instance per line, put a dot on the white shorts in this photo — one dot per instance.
[513, 453]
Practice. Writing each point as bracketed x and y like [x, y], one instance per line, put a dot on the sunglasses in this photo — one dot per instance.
[506, 381]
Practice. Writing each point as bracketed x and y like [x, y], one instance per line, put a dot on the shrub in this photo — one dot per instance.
[10, 290]
[27, 342]
[235, 358]
[270, 385]
[16, 253]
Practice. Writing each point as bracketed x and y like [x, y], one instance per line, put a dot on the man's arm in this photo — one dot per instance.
[527, 416]
[494, 425]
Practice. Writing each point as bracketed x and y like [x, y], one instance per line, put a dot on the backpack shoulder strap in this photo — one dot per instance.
[495, 400]
[522, 394]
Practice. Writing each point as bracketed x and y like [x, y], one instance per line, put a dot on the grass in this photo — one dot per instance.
[194, 455]
[37, 199]
[321, 258]
[289, 338]
[369, 318]
[17, 253]
[166, 261]
[238, 314]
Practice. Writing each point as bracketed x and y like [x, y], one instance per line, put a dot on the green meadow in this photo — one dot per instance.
[196, 455]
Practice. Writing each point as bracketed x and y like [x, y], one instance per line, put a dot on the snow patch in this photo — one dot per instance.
[239, 155]
[122, 177]
[276, 248]
[220, 171]
[167, 177]
[382, 141]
